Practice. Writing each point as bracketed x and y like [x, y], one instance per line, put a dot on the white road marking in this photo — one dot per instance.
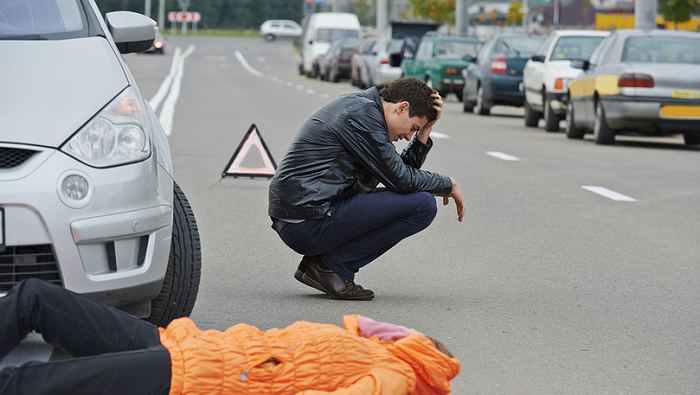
[609, 194]
[439, 135]
[310, 91]
[246, 66]
[165, 85]
[501, 155]
[168, 110]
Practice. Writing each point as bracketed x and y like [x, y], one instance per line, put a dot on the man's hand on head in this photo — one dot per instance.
[424, 133]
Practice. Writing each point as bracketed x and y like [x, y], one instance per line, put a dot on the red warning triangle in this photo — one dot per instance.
[252, 138]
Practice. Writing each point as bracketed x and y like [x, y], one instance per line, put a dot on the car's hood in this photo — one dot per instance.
[51, 88]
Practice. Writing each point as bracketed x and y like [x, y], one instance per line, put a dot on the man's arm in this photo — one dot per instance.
[424, 132]
[456, 194]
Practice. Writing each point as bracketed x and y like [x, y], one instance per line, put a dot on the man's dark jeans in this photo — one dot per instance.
[115, 352]
[358, 230]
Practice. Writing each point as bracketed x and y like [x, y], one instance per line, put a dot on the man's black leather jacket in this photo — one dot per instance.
[344, 149]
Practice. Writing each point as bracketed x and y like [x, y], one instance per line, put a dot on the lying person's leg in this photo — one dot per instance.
[140, 372]
[78, 325]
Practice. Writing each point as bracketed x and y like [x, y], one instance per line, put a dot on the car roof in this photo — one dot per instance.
[654, 33]
[581, 32]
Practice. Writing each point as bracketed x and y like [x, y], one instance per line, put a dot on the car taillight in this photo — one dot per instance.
[384, 61]
[634, 80]
[559, 83]
[499, 66]
[453, 71]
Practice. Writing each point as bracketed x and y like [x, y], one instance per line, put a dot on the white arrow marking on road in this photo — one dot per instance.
[246, 66]
[609, 194]
[501, 155]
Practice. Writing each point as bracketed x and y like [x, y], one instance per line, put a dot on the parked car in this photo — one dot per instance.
[358, 60]
[547, 74]
[273, 29]
[496, 75]
[87, 196]
[319, 31]
[158, 45]
[321, 67]
[385, 65]
[339, 62]
[439, 62]
[639, 82]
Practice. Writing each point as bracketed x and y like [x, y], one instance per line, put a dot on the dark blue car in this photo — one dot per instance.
[495, 76]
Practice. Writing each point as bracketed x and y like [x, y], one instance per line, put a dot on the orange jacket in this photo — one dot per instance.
[314, 359]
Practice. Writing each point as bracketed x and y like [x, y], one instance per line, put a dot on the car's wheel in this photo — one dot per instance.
[551, 120]
[181, 283]
[572, 131]
[479, 107]
[269, 37]
[532, 117]
[459, 95]
[691, 138]
[602, 134]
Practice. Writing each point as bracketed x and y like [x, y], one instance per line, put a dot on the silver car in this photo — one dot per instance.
[87, 197]
[638, 82]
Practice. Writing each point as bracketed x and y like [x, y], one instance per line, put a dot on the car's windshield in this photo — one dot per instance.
[568, 48]
[454, 49]
[330, 35]
[40, 19]
[662, 50]
[519, 45]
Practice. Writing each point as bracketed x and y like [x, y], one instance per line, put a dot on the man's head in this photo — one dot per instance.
[414, 91]
[408, 106]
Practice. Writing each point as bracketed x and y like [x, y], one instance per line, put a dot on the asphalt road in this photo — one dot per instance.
[545, 288]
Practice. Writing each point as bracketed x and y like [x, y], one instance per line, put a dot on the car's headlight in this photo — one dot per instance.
[115, 136]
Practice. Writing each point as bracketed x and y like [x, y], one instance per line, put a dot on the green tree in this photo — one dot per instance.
[515, 13]
[678, 11]
[436, 10]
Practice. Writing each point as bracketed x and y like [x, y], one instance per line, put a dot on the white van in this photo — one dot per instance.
[320, 30]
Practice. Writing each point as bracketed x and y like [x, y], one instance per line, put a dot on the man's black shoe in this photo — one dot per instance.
[299, 273]
[326, 280]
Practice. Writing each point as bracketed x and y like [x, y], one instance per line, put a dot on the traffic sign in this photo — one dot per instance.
[184, 16]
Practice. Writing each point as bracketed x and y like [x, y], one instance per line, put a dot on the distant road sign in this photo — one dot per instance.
[184, 16]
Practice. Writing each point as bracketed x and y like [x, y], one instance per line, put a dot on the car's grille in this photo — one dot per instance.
[13, 157]
[19, 263]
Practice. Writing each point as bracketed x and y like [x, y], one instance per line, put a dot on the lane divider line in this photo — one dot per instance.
[247, 66]
[165, 85]
[608, 193]
[168, 110]
[502, 156]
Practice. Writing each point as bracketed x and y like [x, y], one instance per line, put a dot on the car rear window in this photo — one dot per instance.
[520, 44]
[568, 48]
[330, 35]
[455, 49]
[662, 50]
[41, 19]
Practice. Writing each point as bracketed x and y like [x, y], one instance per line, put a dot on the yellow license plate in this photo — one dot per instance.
[685, 95]
[680, 111]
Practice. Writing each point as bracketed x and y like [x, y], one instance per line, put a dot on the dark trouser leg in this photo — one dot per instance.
[140, 372]
[81, 327]
[78, 325]
[361, 228]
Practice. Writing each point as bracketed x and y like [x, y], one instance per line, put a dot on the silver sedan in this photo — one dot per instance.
[638, 82]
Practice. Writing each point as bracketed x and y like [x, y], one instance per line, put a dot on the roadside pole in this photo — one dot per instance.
[645, 14]
[382, 16]
[462, 17]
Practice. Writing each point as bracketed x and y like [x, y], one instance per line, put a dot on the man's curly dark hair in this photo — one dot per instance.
[416, 92]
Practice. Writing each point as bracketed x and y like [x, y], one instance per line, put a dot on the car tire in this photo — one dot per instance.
[691, 138]
[532, 117]
[479, 107]
[551, 120]
[602, 134]
[181, 283]
[572, 131]
[269, 37]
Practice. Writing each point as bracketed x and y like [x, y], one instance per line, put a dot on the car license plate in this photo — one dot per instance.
[680, 112]
[685, 95]
[2, 229]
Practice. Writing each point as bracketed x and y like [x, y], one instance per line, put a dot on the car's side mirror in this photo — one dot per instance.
[537, 58]
[131, 31]
[580, 64]
[469, 58]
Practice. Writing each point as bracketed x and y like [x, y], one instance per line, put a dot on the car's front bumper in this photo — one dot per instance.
[645, 115]
[113, 245]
